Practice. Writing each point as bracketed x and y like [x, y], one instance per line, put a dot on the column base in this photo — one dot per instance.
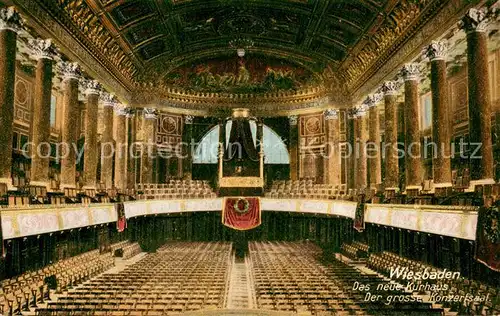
[474, 183]
[8, 182]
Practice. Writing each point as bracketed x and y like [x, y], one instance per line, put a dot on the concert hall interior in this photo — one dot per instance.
[249, 157]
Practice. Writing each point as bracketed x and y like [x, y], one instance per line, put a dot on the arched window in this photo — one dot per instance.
[275, 151]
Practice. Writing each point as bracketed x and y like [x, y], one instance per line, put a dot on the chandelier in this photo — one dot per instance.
[241, 44]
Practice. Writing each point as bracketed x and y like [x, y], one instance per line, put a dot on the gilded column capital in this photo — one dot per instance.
[42, 49]
[390, 87]
[331, 114]
[361, 110]
[120, 109]
[475, 20]
[293, 119]
[188, 119]
[10, 19]
[150, 113]
[373, 99]
[91, 86]
[410, 71]
[437, 50]
[351, 113]
[107, 99]
[130, 112]
[69, 70]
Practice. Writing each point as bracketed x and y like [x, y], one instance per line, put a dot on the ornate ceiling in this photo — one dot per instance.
[142, 42]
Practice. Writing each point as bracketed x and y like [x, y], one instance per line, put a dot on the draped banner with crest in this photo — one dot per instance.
[241, 213]
[488, 237]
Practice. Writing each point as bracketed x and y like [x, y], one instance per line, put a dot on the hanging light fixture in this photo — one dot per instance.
[241, 45]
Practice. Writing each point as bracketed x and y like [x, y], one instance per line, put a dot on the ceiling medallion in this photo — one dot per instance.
[241, 44]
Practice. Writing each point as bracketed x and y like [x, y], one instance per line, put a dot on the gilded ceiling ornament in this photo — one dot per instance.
[91, 86]
[331, 114]
[69, 70]
[10, 19]
[411, 71]
[293, 119]
[475, 20]
[188, 119]
[150, 113]
[107, 99]
[437, 50]
[390, 87]
[42, 49]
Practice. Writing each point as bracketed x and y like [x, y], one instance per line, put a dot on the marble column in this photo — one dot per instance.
[132, 138]
[390, 149]
[71, 74]
[121, 147]
[149, 123]
[350, 153]
[441, 126]
[373, 149]
[10, 25]
[43, 51]
[92, 89]
[413, 160]
[475, 24]
[187, 135]
[294, 147]
[333, 167]
[108, 102]
[362, 139]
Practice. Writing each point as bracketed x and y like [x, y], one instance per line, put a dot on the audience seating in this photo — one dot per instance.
[356, 250]
[291, 277]
[175, 189]
[179, 277]
[24, 291]
[306, 189]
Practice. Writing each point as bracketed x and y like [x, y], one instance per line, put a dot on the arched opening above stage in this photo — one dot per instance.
[275, 150]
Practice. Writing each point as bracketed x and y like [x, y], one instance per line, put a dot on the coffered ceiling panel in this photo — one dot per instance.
[341, 41]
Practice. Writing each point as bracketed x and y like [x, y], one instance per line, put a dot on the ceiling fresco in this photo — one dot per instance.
[241, 75]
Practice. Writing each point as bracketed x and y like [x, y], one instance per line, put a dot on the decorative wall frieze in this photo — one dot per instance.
[42, 49]
[437, 50]
[11, 20]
